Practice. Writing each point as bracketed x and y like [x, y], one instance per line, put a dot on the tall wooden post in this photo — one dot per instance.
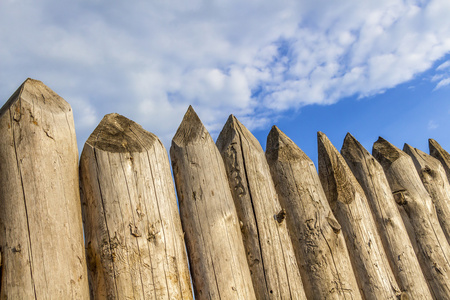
[135, 245]
[214, 242]
[316, 235]
[440, 154]
[394, 236]
[41, 233]
[435, 181]
[349, 204]
[409, 192]
[270, 254]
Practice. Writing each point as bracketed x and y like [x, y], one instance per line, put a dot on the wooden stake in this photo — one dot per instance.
[270, 254]
[41, 233]
[349, 204]
[440, 154]
[409, 192]
[135, 244]
[394, 236]
[216, 252]
[316, 235]
[435, 181]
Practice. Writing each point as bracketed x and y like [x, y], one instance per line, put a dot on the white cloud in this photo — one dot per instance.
[150, 59]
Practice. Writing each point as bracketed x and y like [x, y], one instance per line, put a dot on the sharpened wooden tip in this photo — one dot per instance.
[280, 147]
[117, 134]
[34, 91]
[352, 149]
[229, 131]
[438, 152]
[386, 153]
[190, 130]
[337, 179]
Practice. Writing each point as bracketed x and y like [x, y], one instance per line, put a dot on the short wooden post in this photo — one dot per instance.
[409, 192]
[350, 206]
[316, 235]
[440, 154]
[270, 254]
[41, 233]
[394, 236]
[135, 245]
[214, 242]
[435, 181]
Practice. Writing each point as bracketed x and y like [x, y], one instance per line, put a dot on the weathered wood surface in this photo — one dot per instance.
[435, 181]
[41, 234]
[440, 154]
[350, 206]
[316, 235]
[409, 192]
[216, 251]
[270, 254]
[391, 228]
[135, 244]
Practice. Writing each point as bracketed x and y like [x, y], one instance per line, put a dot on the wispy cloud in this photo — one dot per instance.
[432, 125]
[149, 59]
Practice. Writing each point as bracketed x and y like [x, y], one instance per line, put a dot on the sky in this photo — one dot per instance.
[372, 68]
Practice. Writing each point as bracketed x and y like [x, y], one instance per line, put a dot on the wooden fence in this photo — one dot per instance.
[248, 224]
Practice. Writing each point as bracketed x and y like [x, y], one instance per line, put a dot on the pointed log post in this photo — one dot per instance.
[316, 235]
[349, 204]
[409, 192]
[435, 181]
[394, 236]
[41, 233]
[440, 154]
[214, 242]
[135, 245]
[270, 254]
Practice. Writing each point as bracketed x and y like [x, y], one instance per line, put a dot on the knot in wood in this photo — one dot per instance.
[280, 216]
[400, 197]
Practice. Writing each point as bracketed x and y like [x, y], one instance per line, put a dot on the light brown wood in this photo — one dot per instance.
[394, 236]
[440, 154]
[135, 244]
[270, 254]
[409, 192]
[316, 235]
[214, 242]
[350, 206]
[435, 181]
[41, 234]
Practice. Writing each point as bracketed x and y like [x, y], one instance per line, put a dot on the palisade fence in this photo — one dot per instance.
[252, 225]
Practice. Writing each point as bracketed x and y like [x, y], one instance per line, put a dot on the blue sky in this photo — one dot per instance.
[373, 68]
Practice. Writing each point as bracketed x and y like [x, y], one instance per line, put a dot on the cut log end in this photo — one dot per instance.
[190, 130]
[117, 134]
[280, 147]
[34, 91]
[385, 153]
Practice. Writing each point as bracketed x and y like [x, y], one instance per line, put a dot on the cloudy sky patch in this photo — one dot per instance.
[259, 60]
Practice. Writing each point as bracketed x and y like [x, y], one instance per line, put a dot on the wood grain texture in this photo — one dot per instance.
[350, 206]
[214, 242]
[135, 244]
[270, 254]
[391, 228]
[316, 235]
[41, 234]
[409, 192]
[435, 181]
[440, 154]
